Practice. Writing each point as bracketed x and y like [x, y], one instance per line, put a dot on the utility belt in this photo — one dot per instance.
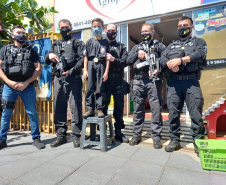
[117, 75]
[96, 59]
[192, 76]
[34, 83]
[141, 77]
[75, 76]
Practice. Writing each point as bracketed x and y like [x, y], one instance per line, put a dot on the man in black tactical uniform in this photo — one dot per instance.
[114, 84]
[67, 54]
[144, 84]
[20, 66]
[184, 60]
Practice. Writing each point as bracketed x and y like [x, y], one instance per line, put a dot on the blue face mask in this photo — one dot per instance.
[97, 31]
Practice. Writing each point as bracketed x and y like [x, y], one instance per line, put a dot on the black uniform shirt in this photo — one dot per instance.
[118, 50]
[97, 48]
[133, 55]
[198, 54]
[34, 58]
[79, 47]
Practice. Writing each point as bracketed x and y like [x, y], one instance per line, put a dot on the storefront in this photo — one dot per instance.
[209, 20]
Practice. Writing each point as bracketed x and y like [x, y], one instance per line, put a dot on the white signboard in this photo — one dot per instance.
[81, 12]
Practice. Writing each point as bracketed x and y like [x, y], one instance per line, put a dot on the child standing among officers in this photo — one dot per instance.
[96, 68]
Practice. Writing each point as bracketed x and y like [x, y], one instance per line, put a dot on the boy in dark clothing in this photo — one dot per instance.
[96, 67]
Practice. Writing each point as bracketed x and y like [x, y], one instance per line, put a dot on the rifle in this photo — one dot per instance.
[61, 66]
[152, 60]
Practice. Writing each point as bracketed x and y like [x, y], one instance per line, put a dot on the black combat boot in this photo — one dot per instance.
[135, 141]
[173, 145]
[120, 136]
[89, 113]
[59, 141]
[100, 114]
[38, 143]
[157, 144]
[76, 141]
[3, 144]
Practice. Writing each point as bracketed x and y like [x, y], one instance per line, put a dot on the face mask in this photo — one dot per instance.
[146, 36]
[111, 35]
[21, 38]
[97, 31]
[184, 31]
[66, 33]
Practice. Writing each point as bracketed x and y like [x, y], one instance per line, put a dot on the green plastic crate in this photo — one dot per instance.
[212, 154]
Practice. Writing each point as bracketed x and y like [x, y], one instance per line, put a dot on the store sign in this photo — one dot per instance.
[81, 12]
[216, 23]
[216, 62]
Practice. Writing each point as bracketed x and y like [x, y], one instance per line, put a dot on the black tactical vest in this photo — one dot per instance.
[17, 62]
[142, 66]
[66, 49]
[180, 49]
[115, 51]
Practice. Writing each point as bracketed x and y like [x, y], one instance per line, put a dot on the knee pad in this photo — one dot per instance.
[7, 104]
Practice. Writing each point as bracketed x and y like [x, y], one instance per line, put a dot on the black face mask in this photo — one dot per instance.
[66, 33]
[146, 36]
[21, 38]
[184, 31]
[111, 35]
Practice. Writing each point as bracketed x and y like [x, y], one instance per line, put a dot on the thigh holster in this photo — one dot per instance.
[7, 104]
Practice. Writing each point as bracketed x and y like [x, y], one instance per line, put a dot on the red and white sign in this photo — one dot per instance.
[81, 12]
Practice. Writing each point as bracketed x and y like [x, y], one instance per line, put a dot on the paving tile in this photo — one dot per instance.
[86, 178]
[188, 161]
[121, 181]
[140, 172]
[150, 155]
[123, 151]
[47, 173]
[4, 181]
[218, 179]
[73, 158]
[6, 157]
[104, 164]
[17, 168]
[177, 176]
[46, 155]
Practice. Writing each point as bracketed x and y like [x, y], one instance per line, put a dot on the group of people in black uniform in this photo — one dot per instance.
[104, 60]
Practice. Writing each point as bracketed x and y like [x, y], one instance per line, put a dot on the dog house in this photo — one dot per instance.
[216, 120]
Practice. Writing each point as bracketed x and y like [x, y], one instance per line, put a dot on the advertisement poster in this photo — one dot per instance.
[44, 89]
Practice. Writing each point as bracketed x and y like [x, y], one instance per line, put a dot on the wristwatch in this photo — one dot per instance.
[182, 61]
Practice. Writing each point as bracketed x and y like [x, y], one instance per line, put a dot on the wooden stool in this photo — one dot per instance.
[102, 122]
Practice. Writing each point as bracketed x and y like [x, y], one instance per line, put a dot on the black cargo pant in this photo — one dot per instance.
[114, 87]
[190, 92]
[143, 89]
[95, 83]
[74, 92]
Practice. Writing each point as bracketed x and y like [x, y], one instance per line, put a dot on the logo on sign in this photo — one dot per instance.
[199, 27]
[212, 131]
[104, 7]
